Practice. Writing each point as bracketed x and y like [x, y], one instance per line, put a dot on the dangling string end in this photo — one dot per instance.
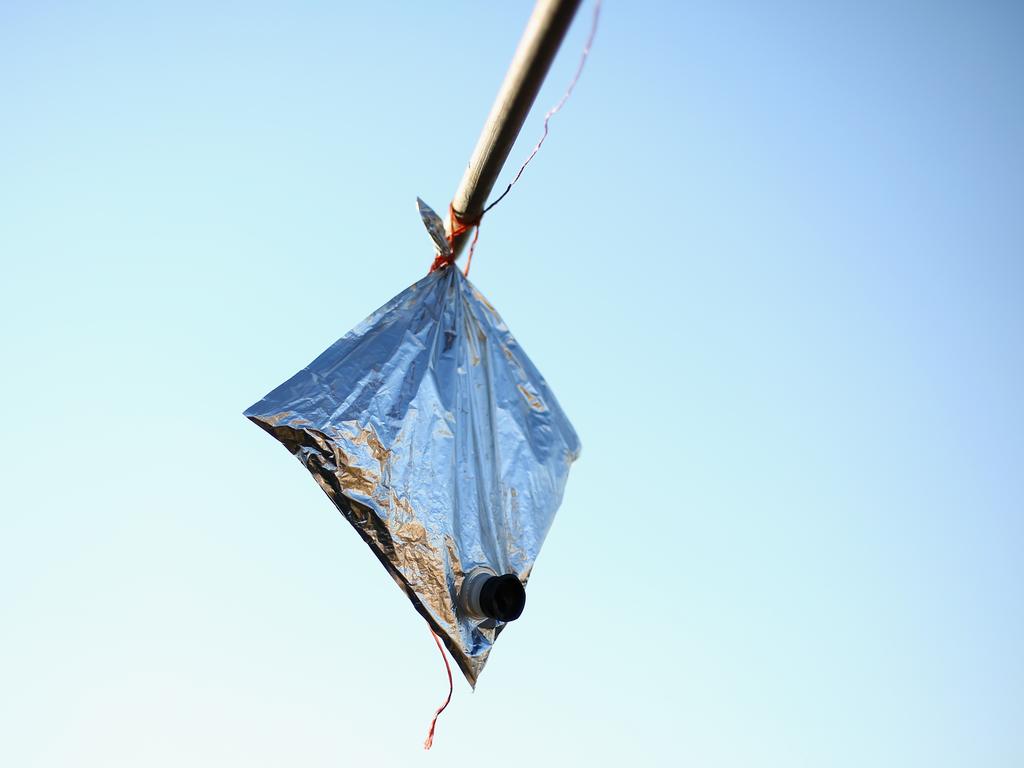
[429, 742]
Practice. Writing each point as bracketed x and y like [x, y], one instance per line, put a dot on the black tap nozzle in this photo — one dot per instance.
[486, 595]
[503, 598]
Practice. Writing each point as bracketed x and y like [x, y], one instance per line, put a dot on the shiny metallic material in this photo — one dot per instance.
[435, 228]
[438, 440]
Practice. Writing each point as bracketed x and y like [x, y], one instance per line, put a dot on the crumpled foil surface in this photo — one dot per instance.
[438, 440]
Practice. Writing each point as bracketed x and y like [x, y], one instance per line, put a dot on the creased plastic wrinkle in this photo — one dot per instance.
[439, 441]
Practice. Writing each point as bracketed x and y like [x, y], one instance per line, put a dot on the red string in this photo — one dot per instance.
[457, 228]
[433, 723]
[472, 247]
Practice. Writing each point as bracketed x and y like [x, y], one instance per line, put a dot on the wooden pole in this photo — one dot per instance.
[541, 39]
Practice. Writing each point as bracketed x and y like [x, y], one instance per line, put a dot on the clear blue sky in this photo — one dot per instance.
[771, 261]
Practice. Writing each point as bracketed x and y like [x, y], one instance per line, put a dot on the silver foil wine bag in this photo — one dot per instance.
[440, 442]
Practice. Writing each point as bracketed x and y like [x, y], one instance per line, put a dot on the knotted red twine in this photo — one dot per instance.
[457, 228]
